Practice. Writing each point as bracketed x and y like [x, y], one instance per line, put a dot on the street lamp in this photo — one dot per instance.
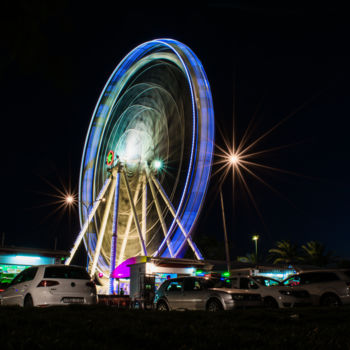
[255, 238]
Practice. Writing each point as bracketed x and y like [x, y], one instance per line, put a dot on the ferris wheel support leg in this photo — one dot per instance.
[172, 211]
[114, 232]
[128, 226]
[103, 226]
[133, 209]
[87, 222]
[144, 207]
[160, 215]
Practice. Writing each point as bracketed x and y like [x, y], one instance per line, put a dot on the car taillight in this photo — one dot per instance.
[91, 284]
[45, 283]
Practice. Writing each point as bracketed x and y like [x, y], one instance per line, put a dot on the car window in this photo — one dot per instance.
[252, 284]
[244, 283]
[231, 282]
[292, 281]
[29, 274]
[66, 272]
[191, 284]
[267, 282]
[18, 279]
[318, 277]
[347, 273]
[328, 277]
[174, 286]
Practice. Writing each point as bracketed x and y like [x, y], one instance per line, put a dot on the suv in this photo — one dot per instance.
[273, 293]
[200, 293]
[46, 285]
[326, 287]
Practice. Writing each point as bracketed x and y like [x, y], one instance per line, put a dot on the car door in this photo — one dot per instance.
[174, 294]
[10, 295]
[16, 292]
[194, 294]
[25, 284]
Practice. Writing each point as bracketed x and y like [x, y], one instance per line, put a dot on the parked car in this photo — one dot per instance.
[200, 293]
[50, 285]
[326, 287]
[272, 292]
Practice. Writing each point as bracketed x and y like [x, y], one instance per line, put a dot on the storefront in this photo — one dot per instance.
[14, 260]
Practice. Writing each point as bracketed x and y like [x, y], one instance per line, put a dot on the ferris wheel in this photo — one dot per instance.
[147, 158]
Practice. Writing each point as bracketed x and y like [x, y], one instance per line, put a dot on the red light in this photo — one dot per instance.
[2, 290]
[45, 283]
[110, 158]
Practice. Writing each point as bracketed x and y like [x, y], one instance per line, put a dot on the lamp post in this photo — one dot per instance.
[255, 238]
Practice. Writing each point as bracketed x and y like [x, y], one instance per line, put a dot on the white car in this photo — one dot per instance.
[46, 285]
[327, 287]
[272, 292]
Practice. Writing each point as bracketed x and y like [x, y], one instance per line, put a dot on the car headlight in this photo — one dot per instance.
[286, 292]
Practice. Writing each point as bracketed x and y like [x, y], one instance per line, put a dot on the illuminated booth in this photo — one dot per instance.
[14, 260]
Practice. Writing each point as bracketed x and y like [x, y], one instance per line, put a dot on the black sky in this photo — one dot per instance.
[272, 61]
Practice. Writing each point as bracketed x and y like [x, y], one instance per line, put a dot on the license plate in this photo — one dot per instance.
[72, 300]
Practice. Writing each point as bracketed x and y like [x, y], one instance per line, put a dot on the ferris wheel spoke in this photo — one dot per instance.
[103, 225]
[144, 206]
[89, 219]
[114, 231]
[178, 221]
[133, 209]
[160, 215]
[128, 226]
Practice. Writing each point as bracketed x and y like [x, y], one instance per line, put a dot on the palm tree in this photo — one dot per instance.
[315, 254]
[285, 253]
[249, 258]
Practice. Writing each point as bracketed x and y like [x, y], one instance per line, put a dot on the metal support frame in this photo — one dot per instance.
[172, 211]
[128, 226]
[144, 207]
[160, 215]
[114, 233]
[89, 219]
[227, 250]
[137, 224]
[103, 225]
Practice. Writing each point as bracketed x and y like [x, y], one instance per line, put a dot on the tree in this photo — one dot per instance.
[315, 254]
[248, 258]
[285, 253]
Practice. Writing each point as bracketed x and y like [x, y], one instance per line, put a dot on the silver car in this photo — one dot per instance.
[328, 287]
[200, 293]
[50, 285]
[272, 292]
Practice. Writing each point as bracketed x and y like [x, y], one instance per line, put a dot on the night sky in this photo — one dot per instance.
[263, 64]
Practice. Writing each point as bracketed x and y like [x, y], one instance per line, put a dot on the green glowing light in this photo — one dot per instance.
[225, 274]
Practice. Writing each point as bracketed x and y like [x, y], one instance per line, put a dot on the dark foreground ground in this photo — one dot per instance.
[105, 327]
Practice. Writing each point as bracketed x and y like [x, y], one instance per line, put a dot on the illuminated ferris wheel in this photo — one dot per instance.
[147, 158]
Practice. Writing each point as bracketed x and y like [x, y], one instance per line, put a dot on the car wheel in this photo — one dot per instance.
[214, 305]
[162, 306]
[330, 300]
[270, 303]
[28, 301]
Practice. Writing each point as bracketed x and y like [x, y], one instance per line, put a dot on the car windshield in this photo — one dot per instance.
[292, 281]
[266, 281]
[66, 272]
[212, 283]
